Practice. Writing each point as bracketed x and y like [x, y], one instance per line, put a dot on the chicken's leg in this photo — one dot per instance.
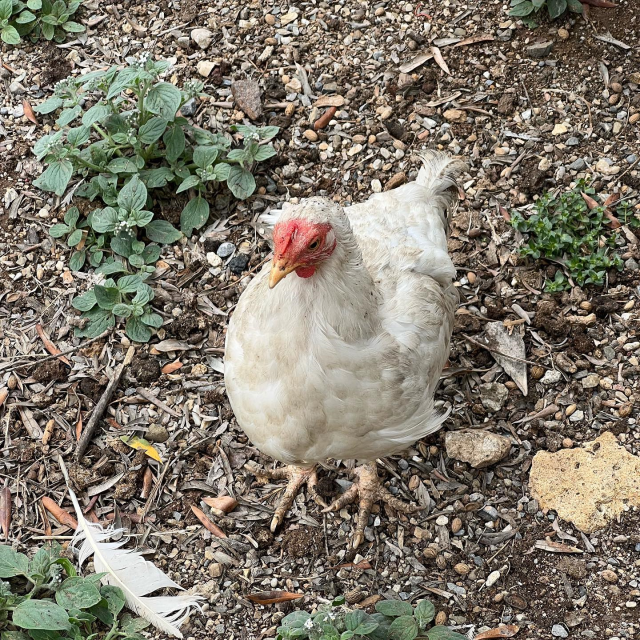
[367, 489]
[297, 477]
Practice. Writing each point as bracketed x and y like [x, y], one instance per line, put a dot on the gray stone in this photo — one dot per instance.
[572, 141]
[477, 447]
[488, 513]
[591, 381]
[559, 631]
[156, 433]
[551, 377]
[578, 165]
[238, 263]
[493, 395]
[189, 108]
[631, 264]
[226, 249]
[247, 96]
[631, 158]
[540, 49]
[202, 37]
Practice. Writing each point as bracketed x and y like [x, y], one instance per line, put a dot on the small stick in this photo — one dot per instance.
[89, 430]
[161, 405]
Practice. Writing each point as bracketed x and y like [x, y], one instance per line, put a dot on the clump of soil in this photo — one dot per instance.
[548, 319]
[187, 326]
[145, 369]
[51, 371]
[300, 543]
[91, 388]
[57, 66]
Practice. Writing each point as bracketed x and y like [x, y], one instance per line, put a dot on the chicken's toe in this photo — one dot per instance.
[297, 477]
[367, 489]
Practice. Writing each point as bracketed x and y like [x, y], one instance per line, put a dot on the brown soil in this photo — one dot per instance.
[145, 369]
[53, 370]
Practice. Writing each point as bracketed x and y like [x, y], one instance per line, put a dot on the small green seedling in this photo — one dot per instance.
[393, 620]
[574, 229]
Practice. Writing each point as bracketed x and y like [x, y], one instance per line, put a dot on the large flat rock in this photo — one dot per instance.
[589, 486]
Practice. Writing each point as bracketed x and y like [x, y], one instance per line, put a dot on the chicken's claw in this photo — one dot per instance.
[297, 477]
[367, 489]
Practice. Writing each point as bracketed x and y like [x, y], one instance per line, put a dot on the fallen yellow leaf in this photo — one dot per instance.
[140, 444]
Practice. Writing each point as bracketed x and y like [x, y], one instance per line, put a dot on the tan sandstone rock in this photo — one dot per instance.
[588, 486]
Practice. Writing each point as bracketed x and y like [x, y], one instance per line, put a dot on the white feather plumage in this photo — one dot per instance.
[344, 364]
[136, 577]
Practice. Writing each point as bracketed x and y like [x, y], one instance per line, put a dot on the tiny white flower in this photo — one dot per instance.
[309, 624]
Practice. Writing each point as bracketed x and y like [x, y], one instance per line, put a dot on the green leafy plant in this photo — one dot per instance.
[133, 129]
[526, 9]
[131, 147]
[128, 298]
[36, 18]
[393, 620]
[577, 231]
[44, 599]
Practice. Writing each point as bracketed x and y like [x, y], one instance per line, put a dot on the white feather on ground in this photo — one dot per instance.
[129, 571]
[344, 364]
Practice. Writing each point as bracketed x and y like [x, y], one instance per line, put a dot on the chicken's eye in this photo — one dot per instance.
[314, 245]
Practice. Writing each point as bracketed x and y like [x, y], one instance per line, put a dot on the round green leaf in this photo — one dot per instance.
[136, 260]
[444, 633]
[104, 220]
[140, 218]
[77, 260]
[164, 100]
[556, 8]
[152, 319]
[77, 593]
[137, 330]
[72, 215]
[58, 230]
[40, 614]
[25, 17]
[85, 302]
[72, 27]
[162, 231]
[394, 608]
[133, 196]
[122, 310]
[49, 105]
[194, 215]
[107, 297]
[12, 563]
[10, 35]
[424, 613]
[56, 177]
[75, 238]
[174, 142]
[241, 182]
[151, 131]
[114, 597]
[188, 183]
[403, 628]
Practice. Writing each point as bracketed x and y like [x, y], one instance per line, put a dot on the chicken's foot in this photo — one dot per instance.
[297, 477]
[368, 489]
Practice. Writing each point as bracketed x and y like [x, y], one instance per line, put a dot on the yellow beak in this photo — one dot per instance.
[280, 269]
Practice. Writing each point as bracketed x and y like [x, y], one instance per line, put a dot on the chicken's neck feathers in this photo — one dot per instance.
[339, 298]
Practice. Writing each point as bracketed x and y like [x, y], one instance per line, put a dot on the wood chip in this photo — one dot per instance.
[274, 597]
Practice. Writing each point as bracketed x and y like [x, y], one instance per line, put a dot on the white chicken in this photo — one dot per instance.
[342, 358]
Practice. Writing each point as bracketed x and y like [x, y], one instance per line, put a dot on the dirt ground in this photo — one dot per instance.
[498, 107]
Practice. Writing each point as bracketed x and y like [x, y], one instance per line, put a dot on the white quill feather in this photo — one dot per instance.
[136, 577]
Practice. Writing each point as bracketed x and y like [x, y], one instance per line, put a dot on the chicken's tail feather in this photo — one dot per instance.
[439, 174]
